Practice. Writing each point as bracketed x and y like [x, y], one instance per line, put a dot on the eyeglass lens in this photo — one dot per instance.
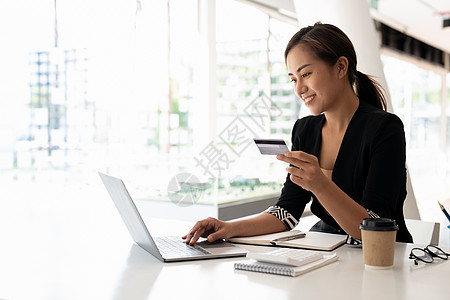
[437, 252]
[422, 255]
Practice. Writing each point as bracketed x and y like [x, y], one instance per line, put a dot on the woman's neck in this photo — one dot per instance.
[338, 117]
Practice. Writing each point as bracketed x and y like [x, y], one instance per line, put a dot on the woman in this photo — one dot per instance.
[348, 157]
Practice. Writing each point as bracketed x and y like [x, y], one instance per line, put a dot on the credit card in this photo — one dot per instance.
[271, 146]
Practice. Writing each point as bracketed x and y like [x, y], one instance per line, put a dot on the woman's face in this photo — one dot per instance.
[314, 81]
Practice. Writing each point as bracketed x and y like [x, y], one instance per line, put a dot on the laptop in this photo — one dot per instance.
[166, 249]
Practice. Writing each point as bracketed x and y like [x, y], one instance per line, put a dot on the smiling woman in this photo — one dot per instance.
[350, 136]
[321, 62]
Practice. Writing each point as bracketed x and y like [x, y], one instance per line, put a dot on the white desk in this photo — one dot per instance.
[119, 269]
[67, 250]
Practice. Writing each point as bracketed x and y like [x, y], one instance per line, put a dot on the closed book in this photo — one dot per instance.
[286, 270]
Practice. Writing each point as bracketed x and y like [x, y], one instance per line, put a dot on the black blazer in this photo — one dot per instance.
[369, 168]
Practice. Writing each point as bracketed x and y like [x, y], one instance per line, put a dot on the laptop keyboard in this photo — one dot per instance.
[175, 246]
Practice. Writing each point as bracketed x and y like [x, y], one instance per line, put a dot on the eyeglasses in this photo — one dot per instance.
[427, 254]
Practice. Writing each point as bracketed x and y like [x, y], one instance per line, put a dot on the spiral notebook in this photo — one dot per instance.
[286, 270]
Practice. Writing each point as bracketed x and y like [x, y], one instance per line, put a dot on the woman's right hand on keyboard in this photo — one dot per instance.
[209, 228]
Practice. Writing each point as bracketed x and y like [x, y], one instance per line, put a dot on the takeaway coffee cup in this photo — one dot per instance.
[378, 242]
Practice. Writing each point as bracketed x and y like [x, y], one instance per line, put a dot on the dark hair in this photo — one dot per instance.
[329, 43]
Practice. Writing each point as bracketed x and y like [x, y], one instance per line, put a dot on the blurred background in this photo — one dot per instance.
[149, 90]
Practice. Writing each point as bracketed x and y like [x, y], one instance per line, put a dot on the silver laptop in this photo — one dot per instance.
[164, 248]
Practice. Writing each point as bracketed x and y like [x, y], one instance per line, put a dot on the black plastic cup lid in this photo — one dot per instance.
[378, 224]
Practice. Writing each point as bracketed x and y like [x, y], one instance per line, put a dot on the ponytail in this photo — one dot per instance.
[370, 91]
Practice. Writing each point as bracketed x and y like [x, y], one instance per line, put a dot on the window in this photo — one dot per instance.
[416, 95]
[119, 86]
[254, 96]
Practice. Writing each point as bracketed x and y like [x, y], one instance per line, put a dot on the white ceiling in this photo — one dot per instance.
[420, 19]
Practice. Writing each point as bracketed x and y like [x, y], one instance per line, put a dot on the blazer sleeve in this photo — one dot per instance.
[293, 198]
[386, 173]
